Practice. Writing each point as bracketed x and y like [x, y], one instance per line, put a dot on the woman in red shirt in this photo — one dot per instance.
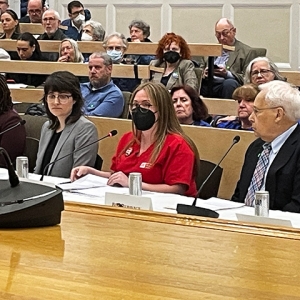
[156, 147]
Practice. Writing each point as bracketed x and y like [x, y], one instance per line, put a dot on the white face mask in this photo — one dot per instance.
[86, 37]
[79, 19]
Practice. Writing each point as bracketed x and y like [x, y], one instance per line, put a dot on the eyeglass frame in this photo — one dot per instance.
[257, 110]
[262, 72]
[76, 13]
[224, 32]
[51, 19]
[142, 107]
[58, 97]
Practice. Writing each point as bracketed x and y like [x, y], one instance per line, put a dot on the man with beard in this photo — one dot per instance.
[51, 22]
[102, 97]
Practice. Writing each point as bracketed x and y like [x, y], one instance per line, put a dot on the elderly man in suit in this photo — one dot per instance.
[272, 162]
[230, 67]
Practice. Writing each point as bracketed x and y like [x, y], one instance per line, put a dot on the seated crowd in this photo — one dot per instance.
[157, 145]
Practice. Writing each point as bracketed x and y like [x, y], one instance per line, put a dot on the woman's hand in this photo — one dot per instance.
[64, 58]
[78, 172]
[118, 177]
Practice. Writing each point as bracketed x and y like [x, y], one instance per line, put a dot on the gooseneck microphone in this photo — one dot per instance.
[22, 122]
[13, 177]
[110, 134]
[200, 211]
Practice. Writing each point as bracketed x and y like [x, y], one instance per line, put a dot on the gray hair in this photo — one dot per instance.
[98, 30]
[56, 14]
[280, 93]
[141, 25]
[78, 57]
[106, 58]
[119, 35]
[273, 68]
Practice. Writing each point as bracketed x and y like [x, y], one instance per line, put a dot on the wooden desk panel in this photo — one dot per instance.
[109, 257]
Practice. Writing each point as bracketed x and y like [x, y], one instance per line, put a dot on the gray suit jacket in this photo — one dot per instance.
[239, 59]
[184, 73]
[74, 136]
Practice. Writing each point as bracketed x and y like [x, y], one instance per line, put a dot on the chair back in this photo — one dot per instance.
[98, 162]
[34, 125]
[31, 150]
[126, 96]
[211, 187]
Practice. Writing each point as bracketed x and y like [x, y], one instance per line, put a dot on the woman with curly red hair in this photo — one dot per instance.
[174, 56]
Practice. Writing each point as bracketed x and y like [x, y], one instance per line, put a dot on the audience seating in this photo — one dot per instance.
[34, 125]
[217, 106]
[31, 150]
[126, 96]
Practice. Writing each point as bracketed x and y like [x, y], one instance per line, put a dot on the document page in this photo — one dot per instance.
[86, 182]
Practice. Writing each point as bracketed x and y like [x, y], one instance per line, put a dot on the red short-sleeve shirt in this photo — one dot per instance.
[174, 165]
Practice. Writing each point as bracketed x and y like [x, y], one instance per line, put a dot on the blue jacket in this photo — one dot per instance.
[72, 32]
[201, 123]
[235, 124]
[107, 101]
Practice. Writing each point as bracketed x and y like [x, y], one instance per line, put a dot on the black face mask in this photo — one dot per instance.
[143, 119]
[171, 57]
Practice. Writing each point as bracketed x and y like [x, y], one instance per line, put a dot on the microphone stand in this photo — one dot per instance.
[200, 211]
[112, 133]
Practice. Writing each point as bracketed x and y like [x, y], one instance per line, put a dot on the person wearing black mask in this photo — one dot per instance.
[156, 147]
[173, 55]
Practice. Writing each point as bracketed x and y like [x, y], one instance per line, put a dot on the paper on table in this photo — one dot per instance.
[16, 85]
[218, 204]
[86, 182]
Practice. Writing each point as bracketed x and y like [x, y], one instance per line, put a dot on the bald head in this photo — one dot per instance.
[35, 9]
[225, 32]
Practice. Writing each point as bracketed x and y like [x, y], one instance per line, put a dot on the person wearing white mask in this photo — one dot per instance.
[93, 31]
[115, 46]
[78, 15]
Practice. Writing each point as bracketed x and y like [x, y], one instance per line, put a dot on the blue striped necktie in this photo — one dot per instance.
[258, 175]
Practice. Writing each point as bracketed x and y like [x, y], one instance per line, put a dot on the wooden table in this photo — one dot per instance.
[109, 253]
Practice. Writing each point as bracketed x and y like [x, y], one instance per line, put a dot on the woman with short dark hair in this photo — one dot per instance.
[189, 107]
[67, 130]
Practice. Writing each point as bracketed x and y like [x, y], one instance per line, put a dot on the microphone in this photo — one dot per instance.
[13, 177]
[200, 211]
[110, 134]
[22, 122]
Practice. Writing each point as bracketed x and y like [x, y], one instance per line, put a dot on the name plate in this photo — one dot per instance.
[128, 201]
[264, 220]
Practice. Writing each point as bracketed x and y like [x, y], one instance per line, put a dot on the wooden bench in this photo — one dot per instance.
[212, 143]
[78, 69]
[221, 106]
[292, 77]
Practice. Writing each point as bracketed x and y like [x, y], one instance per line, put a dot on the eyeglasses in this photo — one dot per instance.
[262, 72]
[256, 110]
[35, 11]
[49, 19]
[224, 32]
[144, 106]
[62, 98]
[76, 13]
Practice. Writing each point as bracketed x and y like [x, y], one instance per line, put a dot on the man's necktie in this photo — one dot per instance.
[258, 174]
